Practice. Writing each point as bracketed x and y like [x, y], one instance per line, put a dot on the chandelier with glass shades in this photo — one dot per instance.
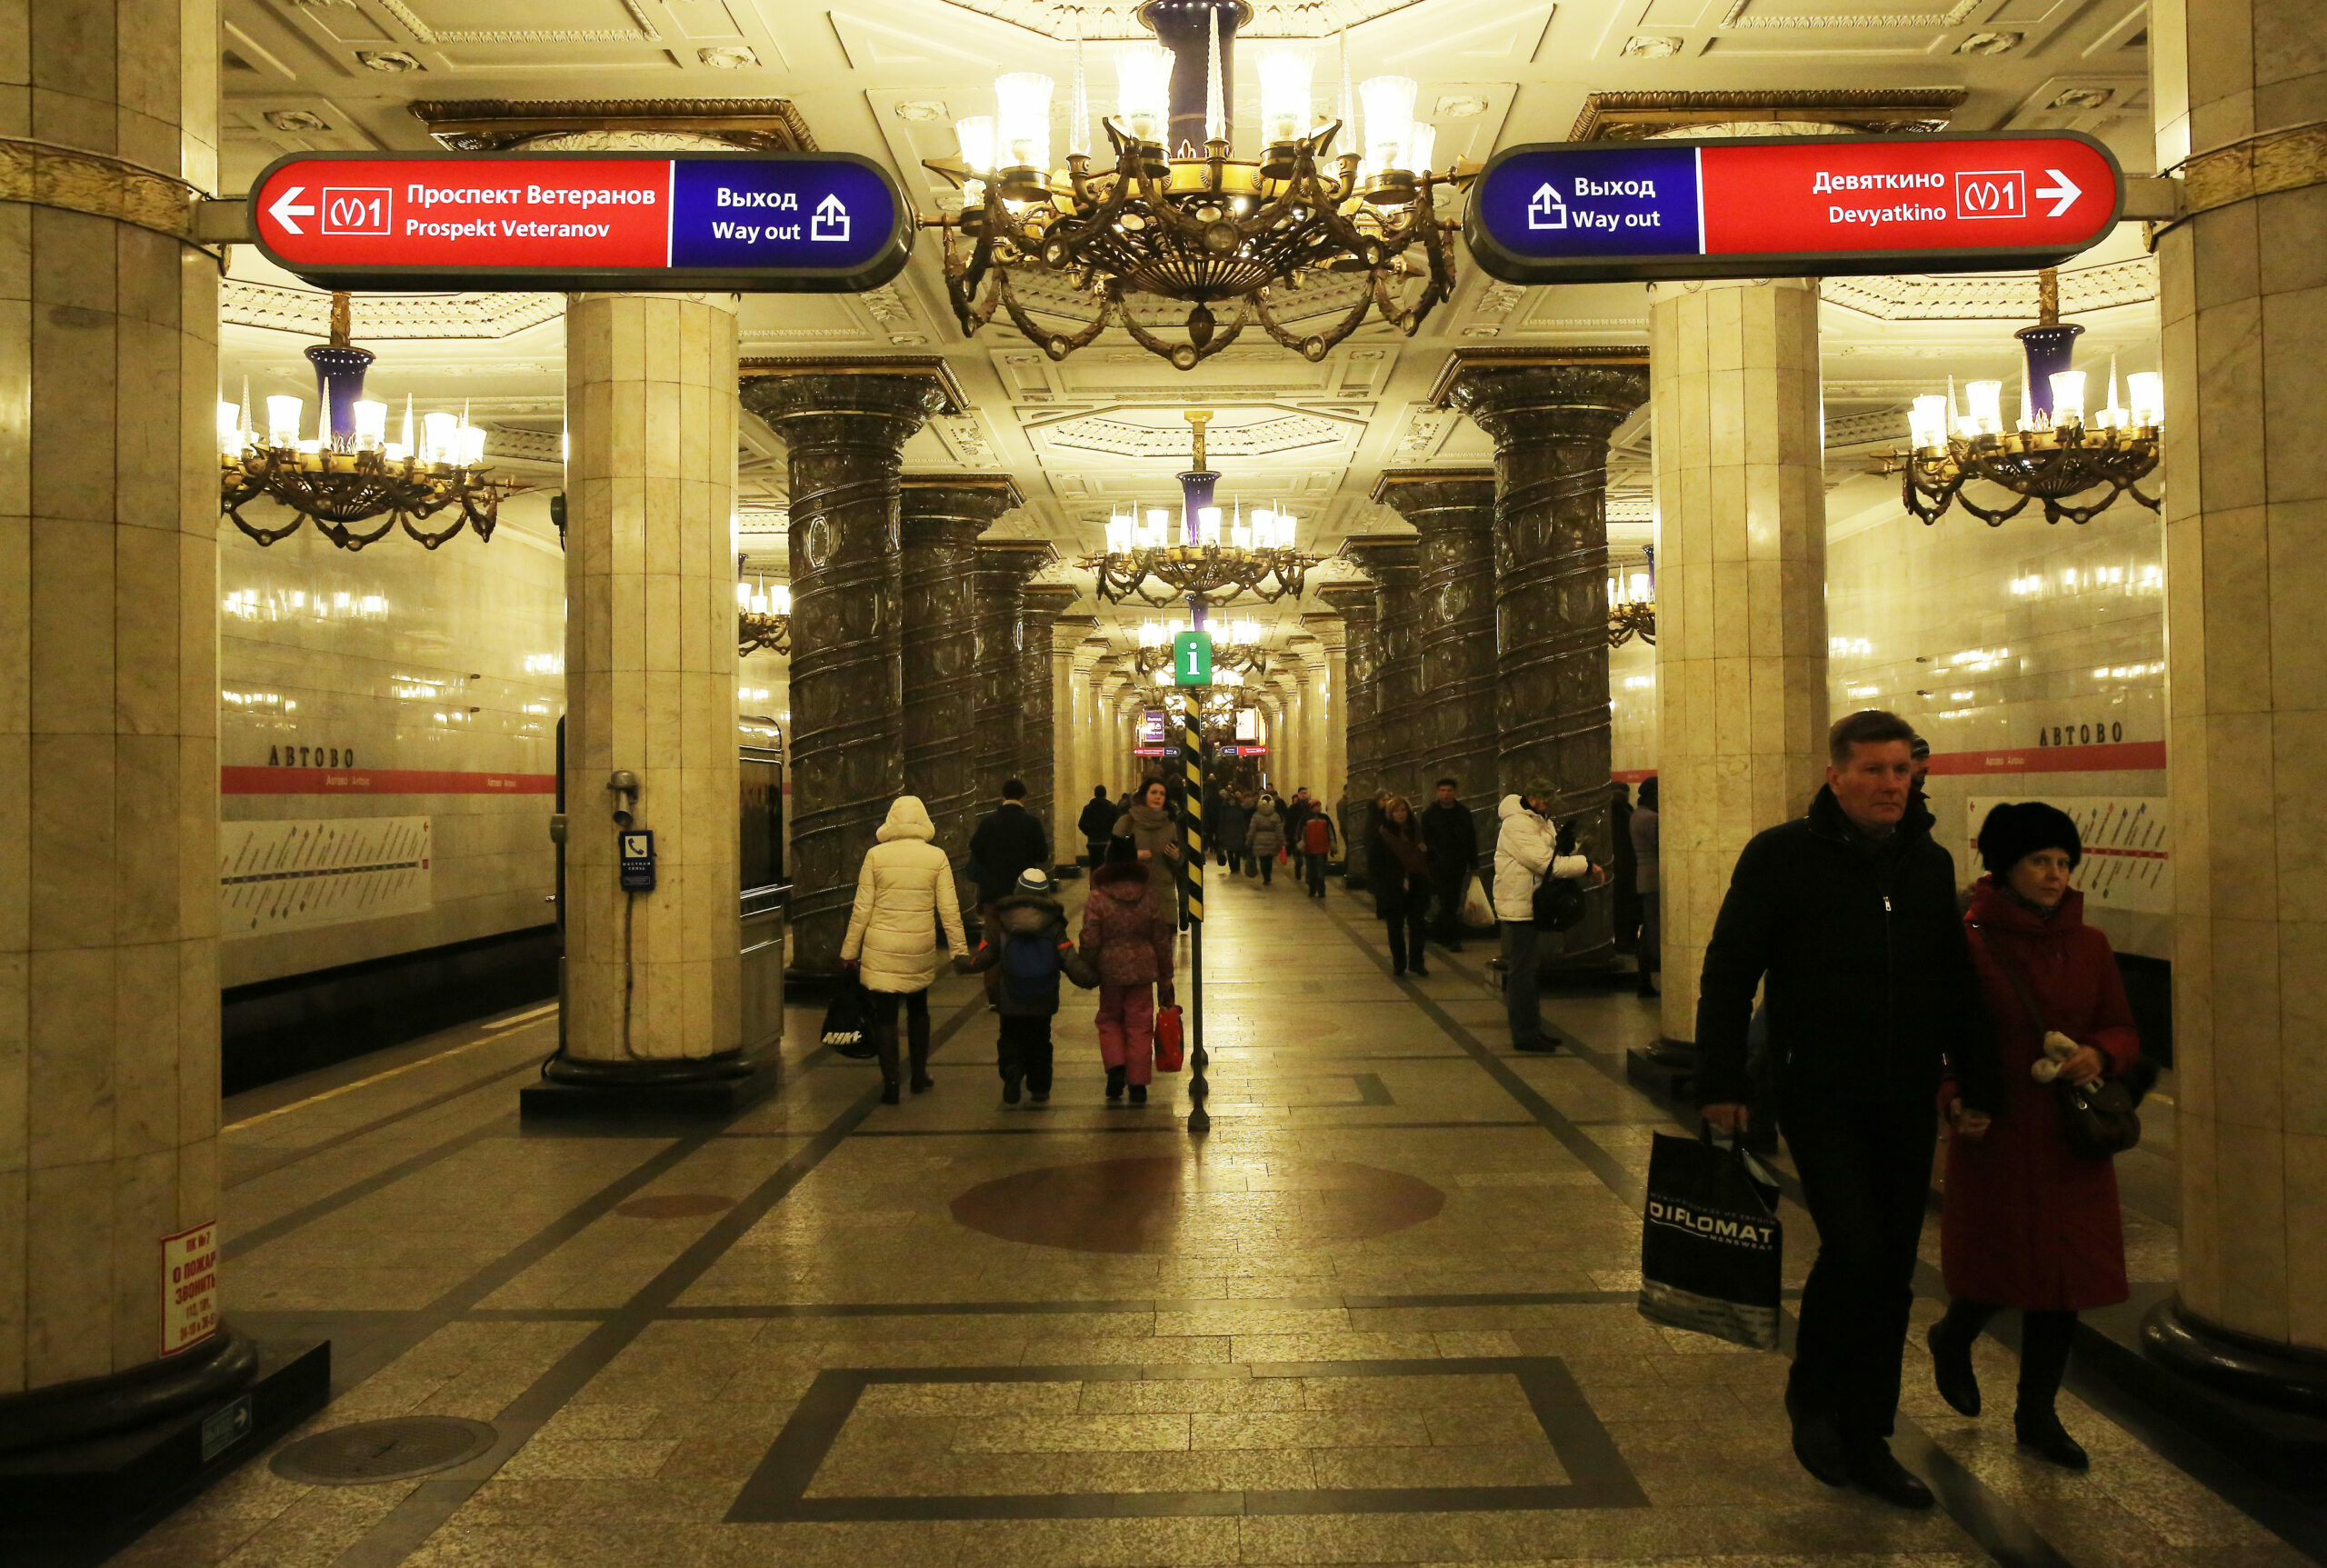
[762, 617]
[2054, 451]
[1180, 217]
[1236, 644]
[1202, 556]
[1632, 603]
[348, 473]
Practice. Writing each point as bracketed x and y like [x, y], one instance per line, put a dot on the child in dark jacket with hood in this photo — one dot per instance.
[1129, 925]
[1031, 948]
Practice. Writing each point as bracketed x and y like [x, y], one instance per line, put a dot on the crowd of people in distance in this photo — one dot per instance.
[1850, 998]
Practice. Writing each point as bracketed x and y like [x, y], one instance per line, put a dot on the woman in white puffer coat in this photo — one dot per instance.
[903, 894]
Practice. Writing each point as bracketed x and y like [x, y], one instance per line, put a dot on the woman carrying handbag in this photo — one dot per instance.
[2032, 1219]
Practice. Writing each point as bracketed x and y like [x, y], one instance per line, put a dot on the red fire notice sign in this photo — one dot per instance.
[1581, 212]
[189, 1287]
[771, 222]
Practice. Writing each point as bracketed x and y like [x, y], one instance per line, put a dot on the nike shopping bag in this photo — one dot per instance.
[1711, 1243]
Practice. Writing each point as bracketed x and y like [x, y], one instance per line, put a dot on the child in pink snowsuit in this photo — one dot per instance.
[1130, 924]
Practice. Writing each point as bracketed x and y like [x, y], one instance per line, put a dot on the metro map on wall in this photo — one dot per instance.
[2128, 859]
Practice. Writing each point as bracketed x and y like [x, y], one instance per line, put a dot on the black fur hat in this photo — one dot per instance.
[2018, 829]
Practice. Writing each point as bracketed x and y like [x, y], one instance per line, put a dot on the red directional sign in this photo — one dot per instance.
[748, 221]
[1581, 212]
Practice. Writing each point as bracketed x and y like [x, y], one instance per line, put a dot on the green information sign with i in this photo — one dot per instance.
[1191, 658]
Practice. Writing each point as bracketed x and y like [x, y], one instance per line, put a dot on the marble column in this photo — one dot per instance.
[1360, 728]
[652, 978]
[1454, 511]
[1740, 613]
[1331, 638]
[2242, 296]
[1040, 606]
[1549, 413]
[940, 517]
[109, 532]
[1394, 562]
[844, 429]
[1003, 567]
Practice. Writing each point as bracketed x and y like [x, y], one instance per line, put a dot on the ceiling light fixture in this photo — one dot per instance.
[1205, 554]
[1180, 217]
[350, 473]
[2052, 453]
[763, 615]
[1632, 603]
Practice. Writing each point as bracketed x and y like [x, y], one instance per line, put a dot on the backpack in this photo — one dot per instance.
[1030, 966]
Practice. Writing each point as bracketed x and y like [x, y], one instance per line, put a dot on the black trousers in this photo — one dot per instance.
[885, 1030]
[1450, 890]
[2045, 1340]
[1407, 922]
[1023, 1050]
[1864, 1169]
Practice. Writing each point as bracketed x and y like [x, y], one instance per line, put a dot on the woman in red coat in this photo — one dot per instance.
[2029, 1223]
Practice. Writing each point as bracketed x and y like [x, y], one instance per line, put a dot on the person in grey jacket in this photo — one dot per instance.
[1265, 834]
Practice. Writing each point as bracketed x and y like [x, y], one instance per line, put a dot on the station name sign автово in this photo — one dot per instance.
[752, 222]
[1597, 212]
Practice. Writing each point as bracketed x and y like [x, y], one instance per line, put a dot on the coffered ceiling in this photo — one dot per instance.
[1103, 428]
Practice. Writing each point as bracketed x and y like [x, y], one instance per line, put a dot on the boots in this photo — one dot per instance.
[1951, 1365]
[2041, 1435]
[1115, 1083]
[922, 1081]
[1139, 1094]
[884, 1045]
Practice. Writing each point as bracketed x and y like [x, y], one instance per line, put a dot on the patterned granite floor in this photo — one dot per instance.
[1381, 1314]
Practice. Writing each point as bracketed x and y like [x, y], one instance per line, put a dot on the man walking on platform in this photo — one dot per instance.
[1850, 915]
[1006, 842]
[1297, 813]
[1097, 826]
[1452, 840]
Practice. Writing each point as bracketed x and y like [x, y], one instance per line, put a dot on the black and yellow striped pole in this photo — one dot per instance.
[1192, 858]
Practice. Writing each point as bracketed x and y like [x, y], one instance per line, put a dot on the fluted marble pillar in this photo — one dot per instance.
[1453, 511]
[109, 541]
[652, 978]
[1040, 607]
[1550, 415]
[940, 518]
[1353, 603]
[843, 431]
[1394, 562]
[2238, 86]
[1003, 567]
[1740, 613]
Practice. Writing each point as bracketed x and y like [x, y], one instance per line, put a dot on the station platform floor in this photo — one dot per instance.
[1383, 1314]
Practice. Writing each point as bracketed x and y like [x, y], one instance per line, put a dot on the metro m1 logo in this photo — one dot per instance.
[357, 210]
[1991, 194]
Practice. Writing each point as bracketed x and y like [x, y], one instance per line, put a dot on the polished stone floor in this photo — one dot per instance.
[1381, 1314]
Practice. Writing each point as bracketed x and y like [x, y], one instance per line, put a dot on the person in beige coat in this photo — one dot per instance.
[904, 892]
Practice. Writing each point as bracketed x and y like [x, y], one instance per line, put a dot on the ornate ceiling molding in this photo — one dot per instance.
[499, 125]
[308, 312]
[1107, 21]
[1742, 14]
[1636, 116]
[1992, 296]
[1262, 438]
[642, 30]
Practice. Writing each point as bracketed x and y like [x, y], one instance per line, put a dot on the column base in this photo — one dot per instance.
[690, 1088]
[2274, 1374]
[89, 1407]
[64, 1500]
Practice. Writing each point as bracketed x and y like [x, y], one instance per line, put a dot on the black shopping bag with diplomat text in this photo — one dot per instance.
[1709, 1243]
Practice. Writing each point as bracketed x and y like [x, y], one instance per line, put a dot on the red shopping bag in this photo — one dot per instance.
[1170, 1041]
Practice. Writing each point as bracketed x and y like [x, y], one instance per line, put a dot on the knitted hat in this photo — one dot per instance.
[1035, 879]
[2016, 830]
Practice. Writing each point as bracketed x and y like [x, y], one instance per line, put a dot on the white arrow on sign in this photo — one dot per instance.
[283, 212]
[2067, 190]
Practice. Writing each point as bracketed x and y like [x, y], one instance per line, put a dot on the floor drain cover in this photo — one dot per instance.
[370, 1451]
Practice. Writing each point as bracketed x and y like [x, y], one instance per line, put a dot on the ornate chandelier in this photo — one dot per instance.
[350, 473]
[1181, 218]
[762, 618]
[1235, 645]
[1202, 557]
[2052, 453]
[1632, 603]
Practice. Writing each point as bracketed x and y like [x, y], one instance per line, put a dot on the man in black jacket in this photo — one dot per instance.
[1450, 839]
[1097, 825]
[1850, 913]
[1005, 844]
